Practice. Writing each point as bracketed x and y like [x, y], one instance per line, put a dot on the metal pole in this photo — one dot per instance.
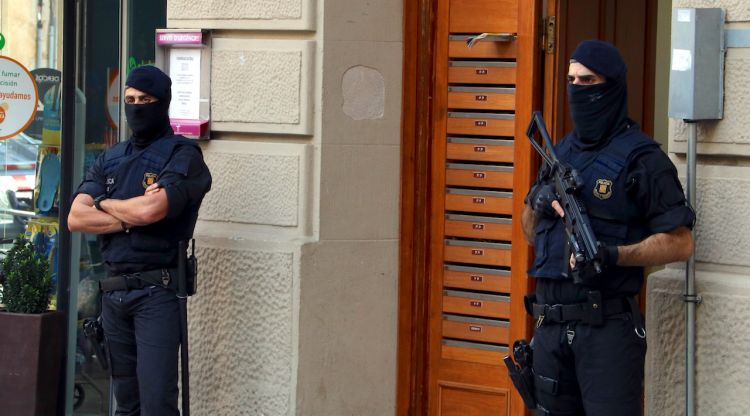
[691, 299]
[182, 299]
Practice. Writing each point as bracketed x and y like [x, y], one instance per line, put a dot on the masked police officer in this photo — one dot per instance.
[589, 342]
[142, 197]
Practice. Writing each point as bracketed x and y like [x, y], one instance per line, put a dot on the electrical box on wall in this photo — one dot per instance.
[696, 76]
[185, 55]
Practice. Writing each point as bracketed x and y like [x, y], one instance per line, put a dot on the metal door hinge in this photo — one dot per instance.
[548, 34]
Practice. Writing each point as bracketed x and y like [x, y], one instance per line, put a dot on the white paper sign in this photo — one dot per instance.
[18, 97]
[682, 60]
[185, 71]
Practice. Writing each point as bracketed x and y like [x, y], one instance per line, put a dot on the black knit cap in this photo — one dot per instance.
[602, 58]
[151, 80]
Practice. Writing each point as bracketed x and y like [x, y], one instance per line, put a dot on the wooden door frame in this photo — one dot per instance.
[416, 152]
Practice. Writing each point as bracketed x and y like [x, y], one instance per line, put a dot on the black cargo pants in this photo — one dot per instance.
[589, 370]
[142, 327]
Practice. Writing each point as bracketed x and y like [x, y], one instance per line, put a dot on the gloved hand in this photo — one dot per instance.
[540, 200]
[606, 256]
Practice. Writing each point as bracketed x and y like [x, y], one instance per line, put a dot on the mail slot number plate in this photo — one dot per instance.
[476, 307]
[475, 332]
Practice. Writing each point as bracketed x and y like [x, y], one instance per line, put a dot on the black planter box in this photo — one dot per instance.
[31, 347]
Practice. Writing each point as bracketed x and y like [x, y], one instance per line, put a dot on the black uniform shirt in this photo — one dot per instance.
[653, 185]
[183, 191]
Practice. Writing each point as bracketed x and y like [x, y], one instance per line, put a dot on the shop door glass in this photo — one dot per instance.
[98, 84]
[103, 57]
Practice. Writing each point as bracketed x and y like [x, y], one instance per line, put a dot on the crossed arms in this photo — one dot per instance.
[117, 214]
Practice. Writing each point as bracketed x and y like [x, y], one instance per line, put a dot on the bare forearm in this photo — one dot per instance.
[527, 224]
[140, 210]
[87, 219]
[658, 249]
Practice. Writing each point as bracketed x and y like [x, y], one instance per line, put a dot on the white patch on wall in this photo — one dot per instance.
[363, 89]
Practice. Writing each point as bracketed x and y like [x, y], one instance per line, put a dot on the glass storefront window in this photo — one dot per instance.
[30, 79]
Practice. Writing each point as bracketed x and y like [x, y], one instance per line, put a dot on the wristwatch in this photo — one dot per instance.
[98, 200]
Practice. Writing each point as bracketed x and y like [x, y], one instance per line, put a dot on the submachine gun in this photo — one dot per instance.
[582, 242]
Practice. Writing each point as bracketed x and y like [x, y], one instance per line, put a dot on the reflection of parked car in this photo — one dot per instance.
[18, 157]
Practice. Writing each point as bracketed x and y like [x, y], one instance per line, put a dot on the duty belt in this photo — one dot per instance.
[160, 277]
[578, 311]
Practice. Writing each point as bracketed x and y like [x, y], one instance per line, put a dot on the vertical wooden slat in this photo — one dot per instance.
[439, 114]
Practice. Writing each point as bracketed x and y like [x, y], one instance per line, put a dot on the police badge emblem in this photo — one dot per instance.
[149, 179]
[603, 189]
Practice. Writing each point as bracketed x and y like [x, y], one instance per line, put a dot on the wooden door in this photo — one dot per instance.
[480, 170]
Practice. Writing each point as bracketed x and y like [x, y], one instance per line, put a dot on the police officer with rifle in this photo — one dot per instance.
[141, 197]
[607, 202]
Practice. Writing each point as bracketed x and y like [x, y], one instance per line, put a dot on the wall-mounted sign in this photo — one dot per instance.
[18, 97]
[185, 54]
[179, 38]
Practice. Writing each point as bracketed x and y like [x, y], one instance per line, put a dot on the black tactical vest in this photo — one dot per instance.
[614, 215]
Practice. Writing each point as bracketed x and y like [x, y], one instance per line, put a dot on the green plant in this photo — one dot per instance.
[28, 282]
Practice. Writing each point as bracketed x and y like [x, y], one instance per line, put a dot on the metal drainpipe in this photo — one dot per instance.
[690, 297]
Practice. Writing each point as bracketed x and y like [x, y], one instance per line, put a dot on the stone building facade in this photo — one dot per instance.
[298, 239]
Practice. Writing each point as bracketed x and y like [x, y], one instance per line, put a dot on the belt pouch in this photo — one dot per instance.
[593, 309]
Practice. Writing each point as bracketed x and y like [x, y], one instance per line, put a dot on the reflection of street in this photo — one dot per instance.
[17, 175]
[91, 388]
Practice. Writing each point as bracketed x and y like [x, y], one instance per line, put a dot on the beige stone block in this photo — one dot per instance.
[257, 183]
[348, 328]
[353, 95]
[242, 330]
[359, 192]
[722, 230]
[262, 86]
[242, 14]
[364, 20]
[722, 337]
[736, 10]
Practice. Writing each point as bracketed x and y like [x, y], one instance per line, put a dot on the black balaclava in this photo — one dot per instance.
[599, 111]
[149, 121]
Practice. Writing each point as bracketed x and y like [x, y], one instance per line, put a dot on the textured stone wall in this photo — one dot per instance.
[262, 86]
[722, 258]
[722, 337]
[241, 14]
[242, 333]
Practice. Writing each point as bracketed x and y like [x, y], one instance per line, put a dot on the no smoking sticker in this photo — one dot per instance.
[18, 97]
